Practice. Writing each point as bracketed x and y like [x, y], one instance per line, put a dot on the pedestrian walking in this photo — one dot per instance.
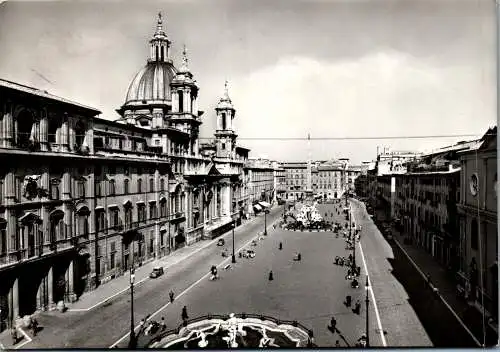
[271, 277]
[171, 296]
[299, 257]
[348, 300]
[184, 314]
[337, 343]
[281, 246]
[357, 307]
[163, 324]
[333, 324]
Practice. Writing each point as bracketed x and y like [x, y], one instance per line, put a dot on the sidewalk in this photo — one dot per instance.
[441, 280]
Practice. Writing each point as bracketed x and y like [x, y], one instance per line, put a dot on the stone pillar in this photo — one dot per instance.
[64, 134]
[13, 299]
[70, 281]
[8, 126]
[11, 230]
[43, 125]
[50, 288]
[187, 100]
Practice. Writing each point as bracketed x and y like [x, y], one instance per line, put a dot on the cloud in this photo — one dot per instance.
[381, 94]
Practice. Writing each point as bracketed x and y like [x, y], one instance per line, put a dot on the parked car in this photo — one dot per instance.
[157, 272]
[221, 242]
[250, 253]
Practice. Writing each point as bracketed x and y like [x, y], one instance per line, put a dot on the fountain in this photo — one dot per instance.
[243, 331]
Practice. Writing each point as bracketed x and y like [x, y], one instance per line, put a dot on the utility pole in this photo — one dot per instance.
[132, 327]
[367, 301]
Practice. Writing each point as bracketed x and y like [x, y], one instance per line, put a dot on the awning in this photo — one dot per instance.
[152, 201]
[265, 204]
[257, 207]
[163, 228]
[99, 207]
[113, 206]
[139, 202]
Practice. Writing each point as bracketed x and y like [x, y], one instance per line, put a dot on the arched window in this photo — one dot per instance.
[163, 207]
[223, 117]
[125, 187]
[112, 188]
[161, 53]
[157, 56]
[162, 185]
[139, 185]
[181, 100]
[151, 185]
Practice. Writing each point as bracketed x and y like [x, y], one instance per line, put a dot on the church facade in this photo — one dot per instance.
[84, 199]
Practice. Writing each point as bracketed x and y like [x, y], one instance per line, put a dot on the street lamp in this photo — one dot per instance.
[132, 333]
[233, 259]
[367, 301]
[265, 221]
[353, 236]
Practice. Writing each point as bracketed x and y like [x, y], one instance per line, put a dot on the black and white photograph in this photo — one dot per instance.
[247, 174]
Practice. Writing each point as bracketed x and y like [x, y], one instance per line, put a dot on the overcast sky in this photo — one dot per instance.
[329, 68]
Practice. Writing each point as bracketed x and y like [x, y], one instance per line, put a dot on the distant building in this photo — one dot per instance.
[260, 180]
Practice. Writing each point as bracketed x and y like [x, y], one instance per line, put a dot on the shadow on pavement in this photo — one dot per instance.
[442, 327]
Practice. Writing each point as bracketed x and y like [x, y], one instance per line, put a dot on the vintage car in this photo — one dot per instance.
[157, 272]
[250, 253]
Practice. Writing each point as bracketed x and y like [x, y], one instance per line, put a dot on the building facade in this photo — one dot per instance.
[85, 199]
[260, 177]
[478, 216]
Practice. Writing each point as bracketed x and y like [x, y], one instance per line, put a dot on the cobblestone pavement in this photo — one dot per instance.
[310, 291]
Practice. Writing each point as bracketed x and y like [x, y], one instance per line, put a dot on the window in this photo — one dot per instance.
[162, 185]
[114, 217]
[152, 211]
[99, 221]
[98, 189]
[223, 146]
[474, 234]
[54, 190]
[163, 208]
[141, 212]
[151, 185]
[112, 188]
[181, 100]
[223, 118]
[128, 217]
[3, 237]
[125, 187]
[139, 185]
[80, 189]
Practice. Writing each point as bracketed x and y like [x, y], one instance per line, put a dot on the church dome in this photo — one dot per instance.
[152, 82]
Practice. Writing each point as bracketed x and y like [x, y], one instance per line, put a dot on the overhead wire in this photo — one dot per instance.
[356, 137]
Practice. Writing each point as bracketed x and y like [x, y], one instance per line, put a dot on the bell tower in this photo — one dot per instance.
[224, 134]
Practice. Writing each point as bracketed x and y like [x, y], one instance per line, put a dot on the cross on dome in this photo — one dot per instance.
[159, 25]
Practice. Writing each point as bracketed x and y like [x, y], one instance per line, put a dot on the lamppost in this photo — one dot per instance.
[132, 328]
[367, 301]
[233, 258]
[265, 221]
